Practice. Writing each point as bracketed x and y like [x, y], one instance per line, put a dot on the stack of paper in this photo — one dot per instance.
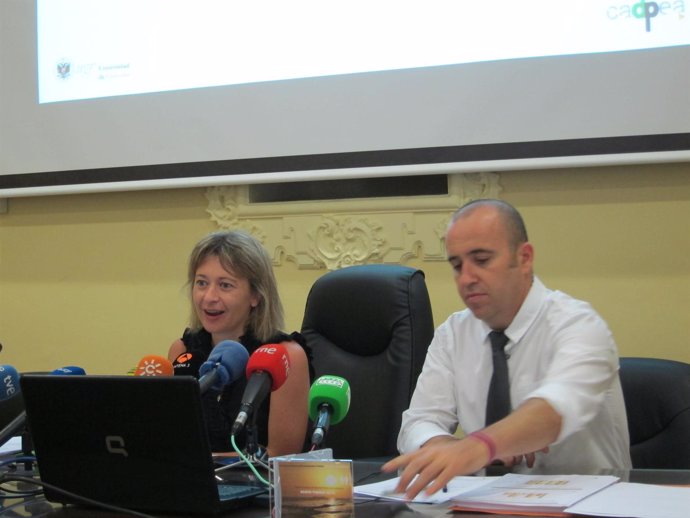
[637, 501]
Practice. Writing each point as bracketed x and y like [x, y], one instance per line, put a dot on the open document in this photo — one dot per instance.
[548, 495]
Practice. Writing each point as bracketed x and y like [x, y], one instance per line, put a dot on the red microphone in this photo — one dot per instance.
[153, 365]
[267, 369]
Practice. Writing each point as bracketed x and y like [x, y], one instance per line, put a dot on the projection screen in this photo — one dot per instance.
[124, 94]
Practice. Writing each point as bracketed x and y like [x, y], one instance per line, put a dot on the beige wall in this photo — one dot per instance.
[97, 280]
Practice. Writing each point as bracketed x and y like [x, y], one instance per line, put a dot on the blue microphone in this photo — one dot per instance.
[10, 382]
[71, 370]
[225, 364]
[12, 404]
[10, 387]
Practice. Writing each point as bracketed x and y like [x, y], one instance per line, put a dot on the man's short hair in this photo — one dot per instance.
[515, 225]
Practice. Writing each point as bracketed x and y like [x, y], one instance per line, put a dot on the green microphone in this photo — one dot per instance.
[329, 401]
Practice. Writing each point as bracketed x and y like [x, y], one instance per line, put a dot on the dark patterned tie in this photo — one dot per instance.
[498, 402]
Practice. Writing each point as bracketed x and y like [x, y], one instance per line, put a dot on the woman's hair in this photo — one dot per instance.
[242, 255]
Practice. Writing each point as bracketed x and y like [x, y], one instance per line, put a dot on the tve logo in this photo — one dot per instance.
[275, 349]
[9, 385]
[646, 10]
[10, 379]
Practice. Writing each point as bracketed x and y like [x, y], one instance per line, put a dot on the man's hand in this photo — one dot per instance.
[436, 463]
[531, 427]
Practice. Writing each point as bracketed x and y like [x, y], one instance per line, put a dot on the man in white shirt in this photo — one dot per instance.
[566, 408]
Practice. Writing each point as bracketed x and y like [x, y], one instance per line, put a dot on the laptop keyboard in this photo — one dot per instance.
[233, 492]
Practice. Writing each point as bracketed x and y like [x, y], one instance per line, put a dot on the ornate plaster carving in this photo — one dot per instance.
[333, 234]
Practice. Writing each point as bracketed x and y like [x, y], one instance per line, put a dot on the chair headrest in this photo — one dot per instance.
[358, 307]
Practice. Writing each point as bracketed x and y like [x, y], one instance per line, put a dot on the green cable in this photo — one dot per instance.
[249, 462]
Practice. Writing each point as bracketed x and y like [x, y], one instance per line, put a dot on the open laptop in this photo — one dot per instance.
[134, 442]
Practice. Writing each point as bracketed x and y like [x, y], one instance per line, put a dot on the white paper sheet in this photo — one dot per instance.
[637, 501]
[386, 489]
[14, 444]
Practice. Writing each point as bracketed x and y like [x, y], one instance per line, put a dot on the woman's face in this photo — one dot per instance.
[222, 300]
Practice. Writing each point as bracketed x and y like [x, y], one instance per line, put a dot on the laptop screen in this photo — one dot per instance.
[135, 442]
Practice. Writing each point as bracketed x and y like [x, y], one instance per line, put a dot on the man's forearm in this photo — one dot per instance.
[531, 427]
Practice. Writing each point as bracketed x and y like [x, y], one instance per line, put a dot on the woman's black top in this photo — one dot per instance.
[220, 408]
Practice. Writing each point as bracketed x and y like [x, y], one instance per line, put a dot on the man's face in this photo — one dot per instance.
[492, 278]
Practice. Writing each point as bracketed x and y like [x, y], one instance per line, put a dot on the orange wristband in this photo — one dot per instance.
[488, 442]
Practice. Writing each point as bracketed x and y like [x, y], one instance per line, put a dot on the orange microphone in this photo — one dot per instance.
[153, 365]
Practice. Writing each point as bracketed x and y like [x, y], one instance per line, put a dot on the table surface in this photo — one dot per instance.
[364, 472]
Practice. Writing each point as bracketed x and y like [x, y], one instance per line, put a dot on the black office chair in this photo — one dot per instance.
[657, 401]
[372, 325]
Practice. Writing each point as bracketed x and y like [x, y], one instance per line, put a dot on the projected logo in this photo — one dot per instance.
[646, 11]
[63, 69]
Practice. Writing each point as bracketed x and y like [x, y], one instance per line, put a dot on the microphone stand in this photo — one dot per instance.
[27, 448]
[252, 445]
[251, 448]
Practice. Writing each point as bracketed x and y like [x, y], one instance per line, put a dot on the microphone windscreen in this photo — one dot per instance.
[10, 382]
[187, 364]
[154, 365]
[333, 391]
[271, 358]
[71, 370]
[231, 355]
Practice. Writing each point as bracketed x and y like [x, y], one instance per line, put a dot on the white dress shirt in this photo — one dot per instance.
[560, 350]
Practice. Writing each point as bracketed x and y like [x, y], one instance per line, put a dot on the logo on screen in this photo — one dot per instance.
[646, 11]
[63, 69]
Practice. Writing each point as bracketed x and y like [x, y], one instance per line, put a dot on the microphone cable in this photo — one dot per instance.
[7, 477]
[15, 460]
[9, 492]
[248, 462]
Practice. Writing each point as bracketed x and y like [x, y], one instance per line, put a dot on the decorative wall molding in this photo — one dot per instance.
[332, 234]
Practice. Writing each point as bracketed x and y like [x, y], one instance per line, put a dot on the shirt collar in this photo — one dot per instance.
[528, 312]
[525, 316]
